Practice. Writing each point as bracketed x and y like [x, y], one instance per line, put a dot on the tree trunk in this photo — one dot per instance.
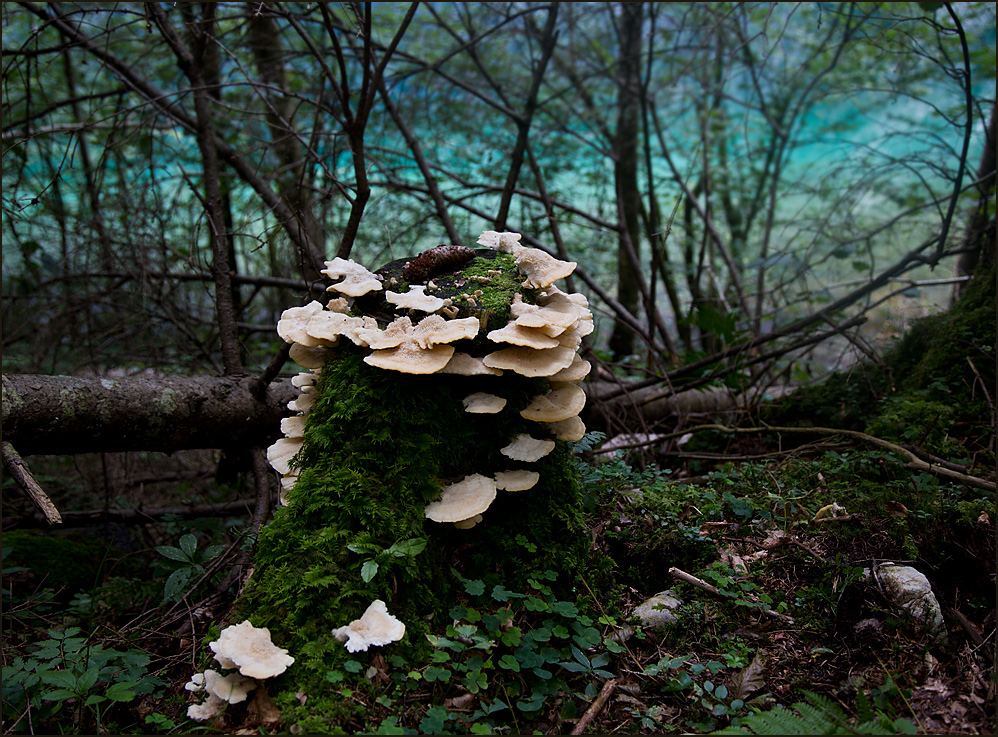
[71, 414]
[626, 173]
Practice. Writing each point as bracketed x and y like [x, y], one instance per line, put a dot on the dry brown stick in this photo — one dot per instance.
[973, 633]
[703, 585]
[913, 461]
[604, 695]
[17, 468]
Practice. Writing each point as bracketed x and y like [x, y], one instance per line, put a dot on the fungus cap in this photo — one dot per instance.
[356, 279]
[233, 688]
[467, 524]
[293, 325]
[527, 448]
[279, 454]
[465, 364]
[541, 268]
[309, 357]
[329, 326]
[303, 403]
[531, 362]
[375, 627]
[208, 709]
[338, 304]
[517, 334]
[505, 242]
[517, 480]
[558, 315]
[251, 650]
[481, 403]
[434, 330]
[463, 500]
[559, 404]
[571, 429]
[293, 427]
[394, 335]
[409, 358]
[576, 371]
[415, 299]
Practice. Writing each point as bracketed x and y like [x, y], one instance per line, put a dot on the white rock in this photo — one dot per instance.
[659, 610]
[911, 590]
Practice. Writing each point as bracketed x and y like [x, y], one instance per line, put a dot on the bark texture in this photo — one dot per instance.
[70, 414]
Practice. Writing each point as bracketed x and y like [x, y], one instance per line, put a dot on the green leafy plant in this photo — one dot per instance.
[817, 715]
[67, 667]
[191, 564]
[381, 557]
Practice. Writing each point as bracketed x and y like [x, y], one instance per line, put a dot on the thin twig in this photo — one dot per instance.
[704, 586]
[16, 467]
[604, 695]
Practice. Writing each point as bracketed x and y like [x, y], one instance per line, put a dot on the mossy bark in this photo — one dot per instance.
[379, 446]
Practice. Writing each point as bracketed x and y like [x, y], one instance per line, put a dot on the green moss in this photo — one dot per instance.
[76, 560]
[379, 446]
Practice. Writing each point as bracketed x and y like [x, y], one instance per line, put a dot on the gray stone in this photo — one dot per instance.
[658, 611]
[911, 590]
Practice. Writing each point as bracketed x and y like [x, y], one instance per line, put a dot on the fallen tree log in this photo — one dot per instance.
[71, 414]
[647, 404]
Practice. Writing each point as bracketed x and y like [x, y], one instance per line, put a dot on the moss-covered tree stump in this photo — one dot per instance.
[379, 446]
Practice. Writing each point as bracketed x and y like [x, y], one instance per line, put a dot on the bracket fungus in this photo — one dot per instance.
[531, 362]
[356, 279]
[505, 242]
[375, 627]
[470, 496]
[560, 404]
[250, 650]
[517, 480]
[541, 268]
[423, 348]
[526, 448]
[483, 403]
[516, 334]
[293, 325]
[415, 299]
[465, 364]
[327, 327]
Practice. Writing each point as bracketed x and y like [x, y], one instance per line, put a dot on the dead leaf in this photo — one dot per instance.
[460, 702]
[895, 507]
[750, 679]
[262, 709]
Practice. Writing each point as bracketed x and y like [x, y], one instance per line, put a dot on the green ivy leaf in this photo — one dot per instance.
[509, 663]
[59, 694]
[172, 553]
[474, 588]
[188, 544]
[368, 571]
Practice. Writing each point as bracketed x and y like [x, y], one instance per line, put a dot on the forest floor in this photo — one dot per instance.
[773, 542]
[794, 617]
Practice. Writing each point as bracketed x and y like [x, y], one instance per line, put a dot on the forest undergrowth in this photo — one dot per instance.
[767, 538]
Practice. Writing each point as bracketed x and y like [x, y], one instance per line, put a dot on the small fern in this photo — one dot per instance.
[818, 715]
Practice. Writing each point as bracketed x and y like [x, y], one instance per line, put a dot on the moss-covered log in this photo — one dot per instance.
[73, 414]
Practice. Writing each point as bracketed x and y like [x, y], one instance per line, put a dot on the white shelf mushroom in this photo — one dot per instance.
[250, 650]
[356, 279]
[375, 627]
[463, 500]
[483, 403]
[560, 404]
[526, 448]
[415, 299]
[517, 480]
